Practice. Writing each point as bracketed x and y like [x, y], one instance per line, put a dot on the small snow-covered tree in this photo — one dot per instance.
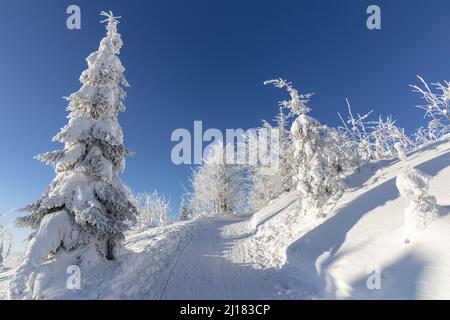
[266, 178]
[184, 212]
[436, 107]
[215, 183]
[413, 185]
[357, 137]
[269, 179]
[5, 245]
[265, 186]
[421, 136]
[286, 152]
[371, 140]
[385, 134]
[153, 210]
[316, 179]
[86, 207]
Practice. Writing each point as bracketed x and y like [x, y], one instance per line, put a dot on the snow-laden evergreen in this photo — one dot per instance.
[413, 186]
[317, 178]
[185, 213]
[86, 207]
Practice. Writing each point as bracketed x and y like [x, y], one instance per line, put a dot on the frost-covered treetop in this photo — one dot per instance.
[93, 109]
[112, 41]
[297, 104]
[102, 94]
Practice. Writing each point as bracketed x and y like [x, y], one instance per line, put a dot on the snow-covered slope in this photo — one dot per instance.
[363, 234]
[281, 254]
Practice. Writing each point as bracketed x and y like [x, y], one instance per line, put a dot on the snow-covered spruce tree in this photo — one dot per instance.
[183, 212]
[216, 183]
[413, 185]
[317, 179]
[86, 207]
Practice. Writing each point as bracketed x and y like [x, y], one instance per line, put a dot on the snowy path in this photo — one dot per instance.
[5, 277]
[203, 270]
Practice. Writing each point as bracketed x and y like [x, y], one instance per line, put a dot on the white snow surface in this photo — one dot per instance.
[278, 253]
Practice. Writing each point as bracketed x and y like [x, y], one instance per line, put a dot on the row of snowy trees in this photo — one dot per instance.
[368, 140]
[313, 158]
[217, 183]
[309, 158]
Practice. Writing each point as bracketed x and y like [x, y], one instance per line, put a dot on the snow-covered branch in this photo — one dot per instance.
[436, 106]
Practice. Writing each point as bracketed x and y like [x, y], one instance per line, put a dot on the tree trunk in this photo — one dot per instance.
[110, 249]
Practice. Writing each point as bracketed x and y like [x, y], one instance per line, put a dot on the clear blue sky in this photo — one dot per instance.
[206, 60]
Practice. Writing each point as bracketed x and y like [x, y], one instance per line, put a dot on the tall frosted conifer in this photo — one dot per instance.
[86, 207]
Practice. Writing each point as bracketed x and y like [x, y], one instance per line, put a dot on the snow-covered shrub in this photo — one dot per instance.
[422, 136]
[413, 185]
[153, 210]
[356, 132]
[371, 140]
[317, 178]
[437, 108]
[86, 205]
[385, 134]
